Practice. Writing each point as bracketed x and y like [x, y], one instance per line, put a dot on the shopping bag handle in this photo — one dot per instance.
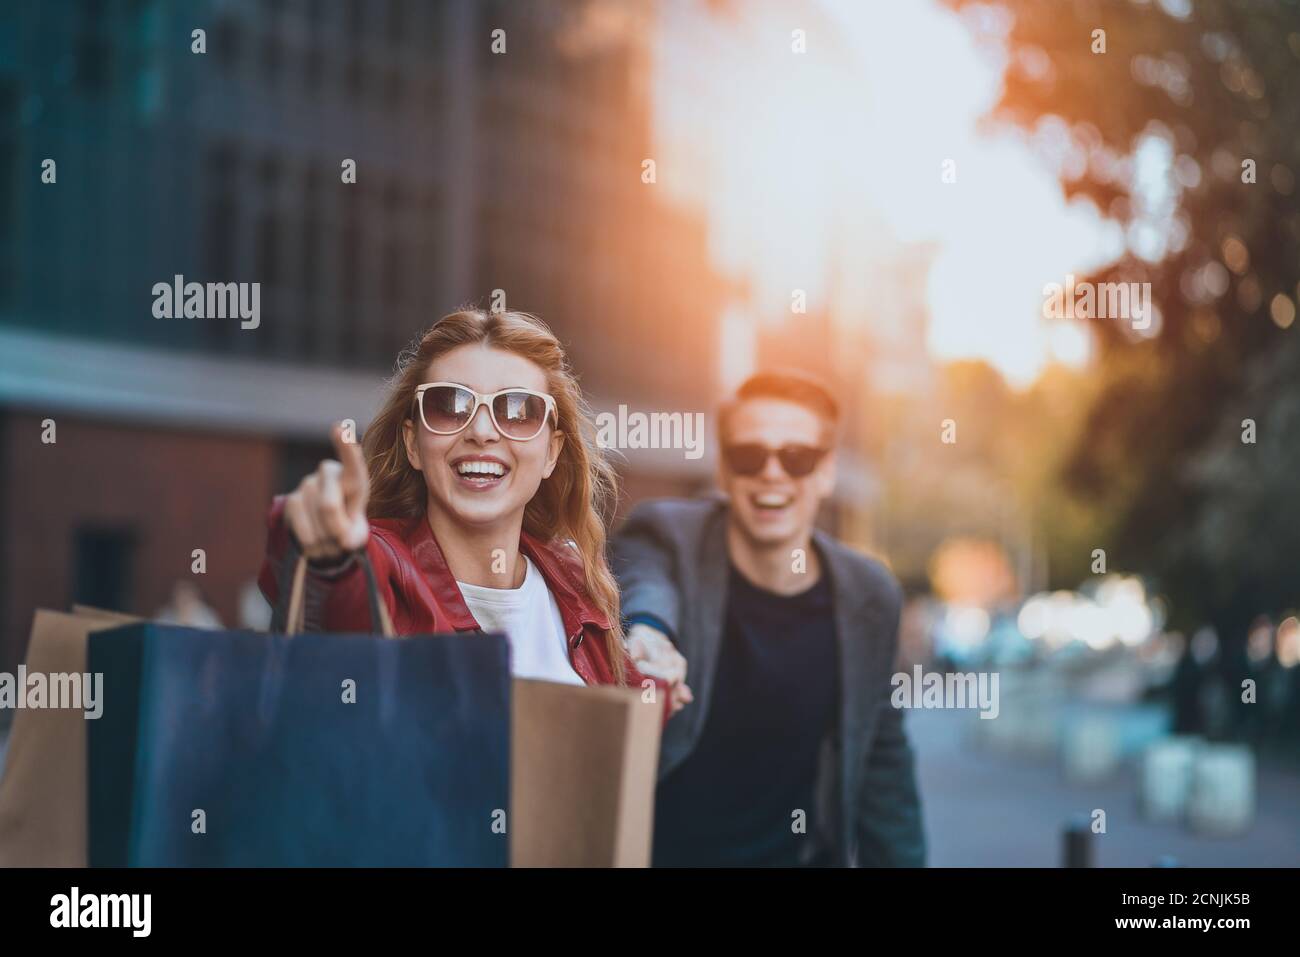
[297, 613]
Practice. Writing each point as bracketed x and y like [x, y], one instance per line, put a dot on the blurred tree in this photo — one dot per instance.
[1185, 130]
[997, 481]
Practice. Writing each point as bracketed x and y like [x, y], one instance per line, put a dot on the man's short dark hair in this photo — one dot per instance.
[790, 385]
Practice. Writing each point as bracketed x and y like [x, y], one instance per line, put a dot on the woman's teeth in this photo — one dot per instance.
[771, 501]
[480, 468]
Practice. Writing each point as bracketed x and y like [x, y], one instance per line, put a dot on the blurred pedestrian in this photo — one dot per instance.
[254, 611]
[187, 607]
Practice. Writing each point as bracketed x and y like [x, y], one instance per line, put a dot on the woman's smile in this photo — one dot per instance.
[479, 473]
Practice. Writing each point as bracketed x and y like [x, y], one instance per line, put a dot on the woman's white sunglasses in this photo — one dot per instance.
[449, 407]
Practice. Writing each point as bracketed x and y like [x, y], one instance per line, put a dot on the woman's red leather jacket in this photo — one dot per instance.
[423, 598]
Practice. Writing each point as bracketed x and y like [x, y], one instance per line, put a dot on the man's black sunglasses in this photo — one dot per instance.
[750, 458]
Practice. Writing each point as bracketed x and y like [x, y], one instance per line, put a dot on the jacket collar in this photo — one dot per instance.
[857, 617]
[562, 573]
[561, 565]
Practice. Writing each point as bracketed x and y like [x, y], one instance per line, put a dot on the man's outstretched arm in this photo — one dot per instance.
[644, 563]
[643, 560]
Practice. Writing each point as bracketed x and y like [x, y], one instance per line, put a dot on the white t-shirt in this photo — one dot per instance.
[530, 619]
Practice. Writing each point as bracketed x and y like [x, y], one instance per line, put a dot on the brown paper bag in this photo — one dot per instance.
[90, 611]
[583, 764]
[43, 791]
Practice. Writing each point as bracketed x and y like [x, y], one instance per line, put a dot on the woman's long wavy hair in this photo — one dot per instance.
[570, 505]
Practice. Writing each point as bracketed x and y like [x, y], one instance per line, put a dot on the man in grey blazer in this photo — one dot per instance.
[788, 750]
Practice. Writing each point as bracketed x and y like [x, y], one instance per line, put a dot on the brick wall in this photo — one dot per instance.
[175, 490]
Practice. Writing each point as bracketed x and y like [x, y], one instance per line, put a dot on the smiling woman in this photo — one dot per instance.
[477, 502]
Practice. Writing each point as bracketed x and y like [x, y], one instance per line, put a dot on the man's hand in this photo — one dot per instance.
[655, 656]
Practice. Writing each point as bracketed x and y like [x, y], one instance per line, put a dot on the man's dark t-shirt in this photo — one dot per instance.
[732, 802]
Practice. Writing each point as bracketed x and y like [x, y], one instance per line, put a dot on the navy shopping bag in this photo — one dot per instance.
[244, 749]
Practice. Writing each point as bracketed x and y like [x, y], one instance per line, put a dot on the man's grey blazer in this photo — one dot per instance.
[670, 558]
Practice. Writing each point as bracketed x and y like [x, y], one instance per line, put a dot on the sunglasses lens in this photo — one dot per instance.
[519, 415]
[745, 459]
[446, 409]
[799, 460]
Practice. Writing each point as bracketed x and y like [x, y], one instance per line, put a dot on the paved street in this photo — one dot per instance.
[985, 808]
